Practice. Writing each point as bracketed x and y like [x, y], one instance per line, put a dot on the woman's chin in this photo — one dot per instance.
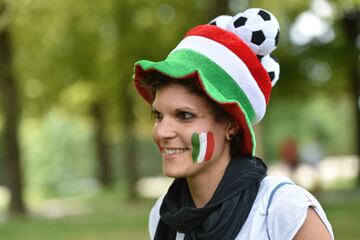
[180, 172]
[173, 174]
[173, 171]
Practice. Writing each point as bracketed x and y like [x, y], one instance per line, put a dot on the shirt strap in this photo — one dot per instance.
[271, 198]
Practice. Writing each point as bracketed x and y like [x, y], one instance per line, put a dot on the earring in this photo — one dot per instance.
[229, 136]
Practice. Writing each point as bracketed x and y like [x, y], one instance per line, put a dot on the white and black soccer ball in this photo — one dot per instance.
[221, 21]
[272, 67]
[258, 28]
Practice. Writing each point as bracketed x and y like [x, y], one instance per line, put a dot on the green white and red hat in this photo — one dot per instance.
[228, 68]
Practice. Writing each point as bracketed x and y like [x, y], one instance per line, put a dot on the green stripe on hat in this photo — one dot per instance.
[210, 73]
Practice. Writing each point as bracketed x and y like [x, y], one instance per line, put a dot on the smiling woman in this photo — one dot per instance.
[205, 96]
[180, 114]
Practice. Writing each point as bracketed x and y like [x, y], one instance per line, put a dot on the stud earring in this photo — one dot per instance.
[229, 136]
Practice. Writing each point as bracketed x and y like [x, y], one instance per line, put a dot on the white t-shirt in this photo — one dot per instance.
[278, 212]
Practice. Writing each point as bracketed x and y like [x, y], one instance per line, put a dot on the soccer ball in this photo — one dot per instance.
[221, 21]
[272, 66]
[258, 28]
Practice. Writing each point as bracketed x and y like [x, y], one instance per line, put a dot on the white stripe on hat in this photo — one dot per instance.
[203, 146]
[232, 65]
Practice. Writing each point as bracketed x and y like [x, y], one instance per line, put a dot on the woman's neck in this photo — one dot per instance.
[202, 187]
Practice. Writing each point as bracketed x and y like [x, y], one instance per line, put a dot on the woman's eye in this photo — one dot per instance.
[156, 115]
[185, 115]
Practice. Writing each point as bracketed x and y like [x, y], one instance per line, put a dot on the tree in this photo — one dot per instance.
[104, 168]
[351, 27]
[12, 111]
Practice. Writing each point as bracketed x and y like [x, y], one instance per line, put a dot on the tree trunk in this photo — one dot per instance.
[356, 92]
[126, 105]
[129, 141]
[11, 108]
[104, 169]
[351, 27]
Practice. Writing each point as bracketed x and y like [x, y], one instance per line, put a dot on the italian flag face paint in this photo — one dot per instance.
[203, 145]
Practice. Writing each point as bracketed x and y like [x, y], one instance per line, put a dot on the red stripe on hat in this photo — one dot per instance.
[240, 49]
[210, 145]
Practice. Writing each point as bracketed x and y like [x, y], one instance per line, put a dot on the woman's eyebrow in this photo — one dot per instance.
[179, 109]
[186, 108]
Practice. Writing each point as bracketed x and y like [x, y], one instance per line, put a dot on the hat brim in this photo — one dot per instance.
[180, 70]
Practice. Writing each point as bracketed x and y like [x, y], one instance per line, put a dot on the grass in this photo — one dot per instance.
[343, 211]
[112, 218]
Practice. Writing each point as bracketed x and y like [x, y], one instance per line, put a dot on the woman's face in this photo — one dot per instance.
[178, 114]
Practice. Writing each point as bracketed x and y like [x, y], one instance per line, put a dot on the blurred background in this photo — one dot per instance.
[76, 156]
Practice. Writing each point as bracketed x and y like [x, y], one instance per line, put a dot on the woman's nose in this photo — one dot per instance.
[164, 129]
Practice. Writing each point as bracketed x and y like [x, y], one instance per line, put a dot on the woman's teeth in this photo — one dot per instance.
[170, 151]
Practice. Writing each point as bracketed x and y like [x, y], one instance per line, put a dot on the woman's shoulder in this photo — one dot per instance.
[282, 192]
[286, 204]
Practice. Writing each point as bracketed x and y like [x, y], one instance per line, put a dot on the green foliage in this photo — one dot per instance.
[61, 43]
[58, 153]
[70, 54]
[322, 119]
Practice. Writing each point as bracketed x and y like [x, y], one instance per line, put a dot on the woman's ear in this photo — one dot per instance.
[231, 130]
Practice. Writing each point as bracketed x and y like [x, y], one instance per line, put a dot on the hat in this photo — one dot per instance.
[230, 58]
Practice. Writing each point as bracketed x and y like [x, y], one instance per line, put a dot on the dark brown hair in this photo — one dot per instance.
[156, 81]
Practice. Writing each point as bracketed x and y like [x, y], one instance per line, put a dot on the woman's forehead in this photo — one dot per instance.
[178, 96]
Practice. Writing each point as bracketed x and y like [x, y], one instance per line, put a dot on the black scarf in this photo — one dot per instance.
[224, 215]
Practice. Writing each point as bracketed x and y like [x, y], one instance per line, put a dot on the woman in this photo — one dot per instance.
[205, 95]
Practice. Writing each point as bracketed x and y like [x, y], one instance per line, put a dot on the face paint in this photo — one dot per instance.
[203, 145]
